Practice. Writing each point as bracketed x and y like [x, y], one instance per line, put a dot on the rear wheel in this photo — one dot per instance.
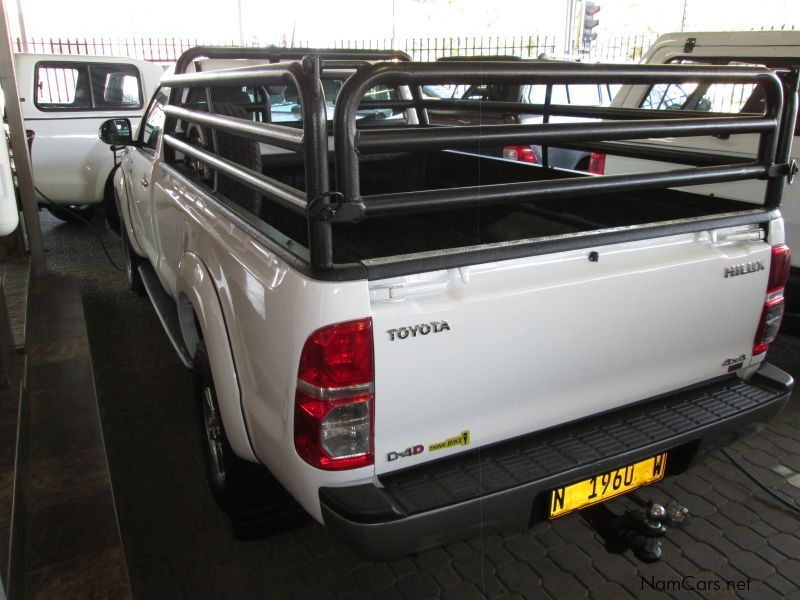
[255, 501]
[228, 475]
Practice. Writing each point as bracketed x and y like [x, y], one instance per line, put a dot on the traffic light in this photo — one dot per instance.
[590, 9]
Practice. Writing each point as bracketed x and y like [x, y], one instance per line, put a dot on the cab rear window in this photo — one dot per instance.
[715, 97]
[64, 86]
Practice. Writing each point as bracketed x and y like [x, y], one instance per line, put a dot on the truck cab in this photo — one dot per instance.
[779, 50]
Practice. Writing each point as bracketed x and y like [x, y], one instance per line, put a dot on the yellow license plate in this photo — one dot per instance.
[608, 485]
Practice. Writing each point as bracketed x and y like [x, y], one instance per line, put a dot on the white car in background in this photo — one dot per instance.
[778, 50]
[64, 99]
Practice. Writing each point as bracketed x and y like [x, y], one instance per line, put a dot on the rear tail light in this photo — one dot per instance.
[520, 153]
[334, 400]
[779, 266]
[772, 313]
[597, 163]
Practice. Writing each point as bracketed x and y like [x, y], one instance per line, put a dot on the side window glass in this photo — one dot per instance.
[116, 86]
[732, 98]
[66, 86]
[62, 86]
[537, 94]
[560, 95]
[590, 94]
[670, 96]
[285, 104]
[154, 120]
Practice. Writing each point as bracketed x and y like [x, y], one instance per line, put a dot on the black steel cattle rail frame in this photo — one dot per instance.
[317, 203]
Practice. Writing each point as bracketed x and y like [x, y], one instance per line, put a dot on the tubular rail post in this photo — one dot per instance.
[775, 185]
[214, 136]
[419, 106]
[315, 134]
[548, 99]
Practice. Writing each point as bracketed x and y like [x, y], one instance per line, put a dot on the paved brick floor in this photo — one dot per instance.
[180, 546]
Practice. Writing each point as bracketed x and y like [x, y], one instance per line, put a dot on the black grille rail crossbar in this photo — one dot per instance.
[363, 70]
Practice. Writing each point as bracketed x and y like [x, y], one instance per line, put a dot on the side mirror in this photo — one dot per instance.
[116, 132]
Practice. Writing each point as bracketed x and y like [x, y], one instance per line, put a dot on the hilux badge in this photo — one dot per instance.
[745, 268]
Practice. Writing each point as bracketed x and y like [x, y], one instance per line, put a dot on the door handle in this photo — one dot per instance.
[144, 181]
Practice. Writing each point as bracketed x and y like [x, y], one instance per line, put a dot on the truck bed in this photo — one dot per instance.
[480, 225]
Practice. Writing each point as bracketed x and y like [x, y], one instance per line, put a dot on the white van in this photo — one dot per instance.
[64, 99]
[779, 50]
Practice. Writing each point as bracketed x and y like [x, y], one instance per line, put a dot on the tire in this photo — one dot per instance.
[229, 477]
[132, 263]
[110, 206]
[201, 138]
[77, 213]
[242, 151]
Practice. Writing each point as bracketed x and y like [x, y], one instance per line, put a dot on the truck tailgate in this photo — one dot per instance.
[473, 356]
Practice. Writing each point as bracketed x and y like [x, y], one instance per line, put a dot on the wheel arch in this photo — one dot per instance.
[110, 203]
[123, 201]
[201, 319]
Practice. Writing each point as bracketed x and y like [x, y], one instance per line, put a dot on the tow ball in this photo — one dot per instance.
[640, 530]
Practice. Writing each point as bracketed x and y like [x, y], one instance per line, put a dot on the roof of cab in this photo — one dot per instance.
[729, 38]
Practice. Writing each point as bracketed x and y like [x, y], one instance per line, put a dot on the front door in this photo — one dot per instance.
[138, 170]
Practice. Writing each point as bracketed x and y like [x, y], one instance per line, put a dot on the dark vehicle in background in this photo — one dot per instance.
[539, 97]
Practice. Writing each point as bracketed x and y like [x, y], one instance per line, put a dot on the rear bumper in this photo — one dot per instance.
[507, 485]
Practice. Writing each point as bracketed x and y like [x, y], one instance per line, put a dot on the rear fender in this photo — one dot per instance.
[197, 298]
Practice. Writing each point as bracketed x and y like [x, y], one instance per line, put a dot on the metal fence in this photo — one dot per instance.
[627, 48]
[161, 50]
[429, 49]
[166, 50]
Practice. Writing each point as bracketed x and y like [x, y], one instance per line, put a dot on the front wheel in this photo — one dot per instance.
[132, 263]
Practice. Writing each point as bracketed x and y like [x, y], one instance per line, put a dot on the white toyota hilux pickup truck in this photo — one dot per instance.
[422, 344]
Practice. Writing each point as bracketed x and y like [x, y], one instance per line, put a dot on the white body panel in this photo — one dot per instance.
[750, 46]
[70, 163]
[540, 341]
[268, 311]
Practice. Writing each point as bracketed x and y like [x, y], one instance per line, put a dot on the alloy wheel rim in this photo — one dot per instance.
[213, 431]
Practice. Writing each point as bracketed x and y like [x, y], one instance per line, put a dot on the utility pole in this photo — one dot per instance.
[239, 14]
[19, 143]
[569, 27]
[23, 34]
[685, 11]
[394, 26]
